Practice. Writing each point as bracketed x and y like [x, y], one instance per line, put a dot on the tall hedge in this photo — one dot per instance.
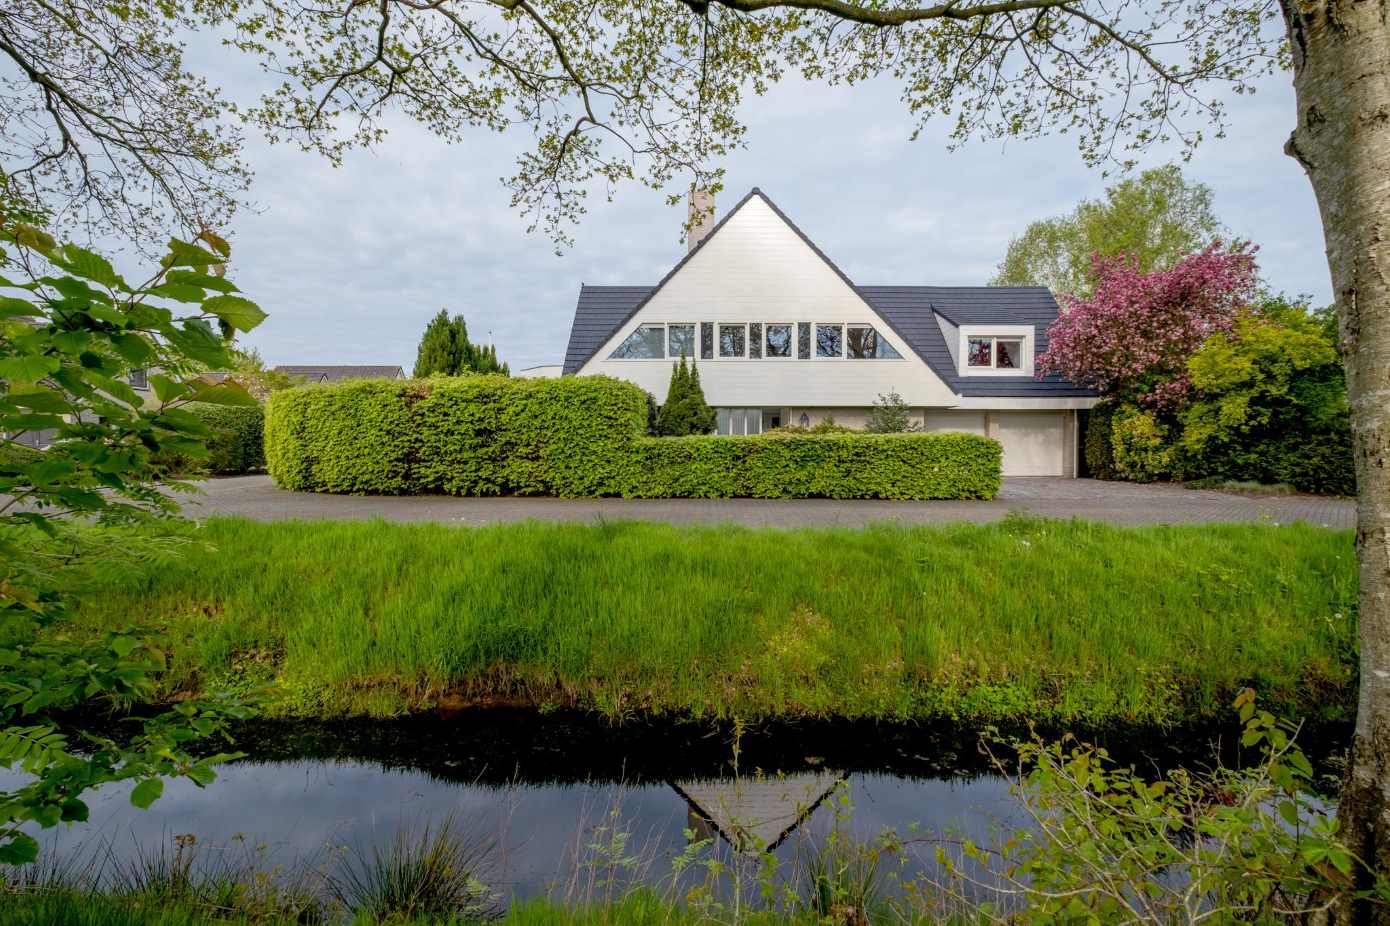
[584, 437]
[238, 443]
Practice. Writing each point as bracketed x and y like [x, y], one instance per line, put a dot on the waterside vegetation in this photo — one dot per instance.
[1022, 620]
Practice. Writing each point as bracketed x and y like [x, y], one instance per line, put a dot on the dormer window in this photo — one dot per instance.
[995, 353]
[995, 350]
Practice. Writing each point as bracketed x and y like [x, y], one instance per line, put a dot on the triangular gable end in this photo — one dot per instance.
[691, 263]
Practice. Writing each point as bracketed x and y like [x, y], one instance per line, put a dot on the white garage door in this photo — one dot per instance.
[1033, 443]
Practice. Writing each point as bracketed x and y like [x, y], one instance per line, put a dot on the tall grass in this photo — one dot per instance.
[1024, 619]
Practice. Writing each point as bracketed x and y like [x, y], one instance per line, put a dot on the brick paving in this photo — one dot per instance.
[257, 497]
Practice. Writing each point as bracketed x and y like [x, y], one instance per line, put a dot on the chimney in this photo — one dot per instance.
[701, 217]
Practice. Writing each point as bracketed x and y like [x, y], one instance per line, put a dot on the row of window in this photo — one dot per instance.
[755, 341]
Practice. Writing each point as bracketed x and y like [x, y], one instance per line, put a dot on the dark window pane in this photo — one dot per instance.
[886, 351]
[979, 352]
[803, 340]
[707, 340]
[731, 340]
[1008, 355]
[138, 378]
[830, 340]
[643, 344]
[861, 342]
[779, 340]
[755, 340]
[680, 341]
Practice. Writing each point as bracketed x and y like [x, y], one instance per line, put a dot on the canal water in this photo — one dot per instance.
[568, 807]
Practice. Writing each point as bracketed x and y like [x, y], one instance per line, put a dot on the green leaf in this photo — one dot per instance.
[196, 339]
[90, 266]
[166, 389]
[74, 811]
[227, 393]
[184, 254]
[202, 776]
[41, 400]
[179, 292]
[10, 306]
[242, 314]
[20, 849]
[27, 368]
[146, 793]
[124, 646]
[133, 348]
[204, 280]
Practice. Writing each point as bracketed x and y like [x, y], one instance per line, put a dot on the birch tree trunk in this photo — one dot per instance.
[1341, 54]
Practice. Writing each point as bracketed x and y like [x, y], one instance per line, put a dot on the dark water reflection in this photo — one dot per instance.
[544, 790]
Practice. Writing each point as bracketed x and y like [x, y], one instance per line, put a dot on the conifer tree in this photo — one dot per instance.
[685, 411]
[445, 348]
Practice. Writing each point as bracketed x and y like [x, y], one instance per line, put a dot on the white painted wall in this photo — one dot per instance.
[969, 422]
[757, 269]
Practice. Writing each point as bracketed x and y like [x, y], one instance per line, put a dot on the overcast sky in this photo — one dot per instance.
[351, 262]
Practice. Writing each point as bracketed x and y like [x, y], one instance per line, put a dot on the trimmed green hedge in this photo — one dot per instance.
[583, 437]
[854, 465]
[237, 445]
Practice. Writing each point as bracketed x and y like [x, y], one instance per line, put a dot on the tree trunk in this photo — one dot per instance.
[1341, 54]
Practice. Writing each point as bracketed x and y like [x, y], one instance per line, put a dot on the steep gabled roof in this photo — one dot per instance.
[913, 311]
[910, 311]
[601, 311]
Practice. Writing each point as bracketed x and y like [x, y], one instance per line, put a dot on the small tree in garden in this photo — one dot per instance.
[445, 349]
[1132, 337]
[72, 331]
[685, 410]
[890, 415]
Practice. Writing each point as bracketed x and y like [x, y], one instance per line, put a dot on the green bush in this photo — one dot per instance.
[1271, 407]
[1141, 445]
[237, 446]
[584, 437]
[1100, 448]
[781, 465]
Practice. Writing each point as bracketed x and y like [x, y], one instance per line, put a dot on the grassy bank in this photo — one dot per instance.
[1024, 619]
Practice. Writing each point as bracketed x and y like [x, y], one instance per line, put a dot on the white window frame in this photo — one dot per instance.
[719, 342]
[694, 340]
[968, 333]
[815, 341]
[792, 343]
[664, 345]
[877, 334]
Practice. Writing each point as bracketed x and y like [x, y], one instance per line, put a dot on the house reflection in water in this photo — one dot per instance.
[755, 814]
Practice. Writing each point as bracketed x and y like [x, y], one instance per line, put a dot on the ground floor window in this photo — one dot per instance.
[740, 421]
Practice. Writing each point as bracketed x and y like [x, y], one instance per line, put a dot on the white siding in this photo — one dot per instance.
[970, 422]
[757, 269]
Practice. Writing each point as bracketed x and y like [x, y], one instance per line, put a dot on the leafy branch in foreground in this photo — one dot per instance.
[73, 334]
[1108, 845]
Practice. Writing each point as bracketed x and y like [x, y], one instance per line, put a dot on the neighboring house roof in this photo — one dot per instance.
[915, 313]
[330, 373]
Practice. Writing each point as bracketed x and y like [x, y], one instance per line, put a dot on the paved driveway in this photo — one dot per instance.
[1119, 503]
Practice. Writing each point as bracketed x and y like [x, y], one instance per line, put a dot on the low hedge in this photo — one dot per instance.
[584, 437]
[854, 465]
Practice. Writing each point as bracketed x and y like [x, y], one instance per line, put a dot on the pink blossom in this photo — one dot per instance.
[1133, 335]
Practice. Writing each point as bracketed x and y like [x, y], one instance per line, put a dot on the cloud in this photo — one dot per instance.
[350, 262]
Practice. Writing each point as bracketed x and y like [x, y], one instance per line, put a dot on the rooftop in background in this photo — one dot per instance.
[334, 373]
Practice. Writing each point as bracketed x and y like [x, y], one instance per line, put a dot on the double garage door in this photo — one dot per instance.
[1034, 442]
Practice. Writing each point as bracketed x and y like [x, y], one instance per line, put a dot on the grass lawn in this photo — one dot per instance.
[1027, 619]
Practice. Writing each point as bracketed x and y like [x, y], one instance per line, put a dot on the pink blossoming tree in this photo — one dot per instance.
[1132, 337]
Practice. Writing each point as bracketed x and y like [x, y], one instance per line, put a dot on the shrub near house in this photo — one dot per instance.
[582, 436]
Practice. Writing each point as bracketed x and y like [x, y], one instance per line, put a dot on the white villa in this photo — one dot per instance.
[781, 336]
